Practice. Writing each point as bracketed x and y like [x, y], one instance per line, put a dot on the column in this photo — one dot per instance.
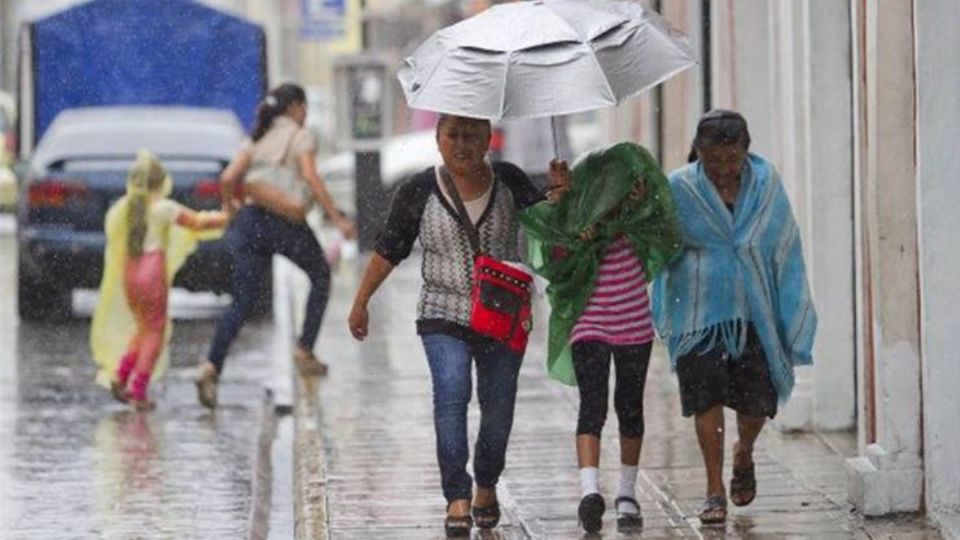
[938, 84]
[888, 475]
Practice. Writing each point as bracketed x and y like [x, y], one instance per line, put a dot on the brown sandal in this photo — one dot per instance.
[743, 485]
[309, 365]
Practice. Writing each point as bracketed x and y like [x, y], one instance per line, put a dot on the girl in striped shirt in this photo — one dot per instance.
[615, 230]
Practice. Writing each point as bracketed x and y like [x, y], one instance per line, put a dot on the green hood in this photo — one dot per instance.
[602, 182]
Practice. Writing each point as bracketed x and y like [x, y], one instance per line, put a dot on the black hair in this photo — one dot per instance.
[274, 105]
[444, 117]
[720, 126]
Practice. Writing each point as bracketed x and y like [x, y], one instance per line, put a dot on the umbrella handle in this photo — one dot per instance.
[555, 128]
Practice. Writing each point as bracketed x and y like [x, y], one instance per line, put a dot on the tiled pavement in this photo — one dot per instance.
[382, 480]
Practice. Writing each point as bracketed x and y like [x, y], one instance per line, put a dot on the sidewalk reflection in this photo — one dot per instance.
[129, 481]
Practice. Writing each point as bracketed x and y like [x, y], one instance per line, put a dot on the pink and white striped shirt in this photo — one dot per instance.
[618, 311]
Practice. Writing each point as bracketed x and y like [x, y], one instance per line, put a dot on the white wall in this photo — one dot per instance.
[830, 237]
[787, 67]
[938, 82]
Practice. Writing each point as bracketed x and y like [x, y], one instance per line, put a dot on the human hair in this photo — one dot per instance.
[274, 105]
[442, 119]
[720, 126]
[146, 176]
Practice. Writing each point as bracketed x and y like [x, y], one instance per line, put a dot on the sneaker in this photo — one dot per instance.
[307, 364]
[590, 512]
[206, 382]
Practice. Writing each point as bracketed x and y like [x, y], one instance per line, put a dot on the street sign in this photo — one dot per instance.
[363, 101]
[323, 20]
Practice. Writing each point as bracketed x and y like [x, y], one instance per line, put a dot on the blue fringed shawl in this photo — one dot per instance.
[737, 268]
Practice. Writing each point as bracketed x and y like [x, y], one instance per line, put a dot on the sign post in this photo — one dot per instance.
[364, 113]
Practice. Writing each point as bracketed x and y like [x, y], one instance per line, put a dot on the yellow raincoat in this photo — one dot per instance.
[113, 324]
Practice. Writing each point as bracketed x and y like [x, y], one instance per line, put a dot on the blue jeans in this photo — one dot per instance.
[254, 236]
[450, 362]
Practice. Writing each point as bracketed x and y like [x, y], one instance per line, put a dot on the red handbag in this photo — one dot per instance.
[500, 293]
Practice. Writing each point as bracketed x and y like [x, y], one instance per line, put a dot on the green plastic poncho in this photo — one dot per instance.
[602, 181]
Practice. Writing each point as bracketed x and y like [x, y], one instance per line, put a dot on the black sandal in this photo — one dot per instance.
[487, 517]
[457, 526]
[590, 512]
[628, 520]
[743, 485]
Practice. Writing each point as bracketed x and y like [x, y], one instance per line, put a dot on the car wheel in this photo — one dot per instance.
[37, 300]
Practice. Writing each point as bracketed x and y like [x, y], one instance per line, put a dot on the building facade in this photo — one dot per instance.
[855, 101]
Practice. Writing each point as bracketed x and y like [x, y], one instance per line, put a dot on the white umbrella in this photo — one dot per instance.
[543, 58]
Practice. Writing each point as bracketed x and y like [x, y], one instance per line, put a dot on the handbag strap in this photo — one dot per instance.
[286, 147]
[472, 235]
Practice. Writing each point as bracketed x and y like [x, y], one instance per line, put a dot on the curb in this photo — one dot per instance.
[309, 477]
[262, 477]
[309, 484]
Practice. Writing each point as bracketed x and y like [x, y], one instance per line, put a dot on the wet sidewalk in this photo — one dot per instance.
[380, 480]
[75, 464]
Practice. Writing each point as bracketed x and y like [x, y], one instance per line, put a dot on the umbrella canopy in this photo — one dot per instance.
[543, 58]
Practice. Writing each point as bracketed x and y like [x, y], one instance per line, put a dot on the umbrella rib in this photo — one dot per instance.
[503, 87]
[606, 81]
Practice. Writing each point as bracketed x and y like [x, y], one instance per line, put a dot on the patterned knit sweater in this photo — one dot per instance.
[420, 211]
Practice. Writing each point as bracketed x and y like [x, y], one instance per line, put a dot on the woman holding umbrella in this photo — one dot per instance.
[424, 209]
[735, 308]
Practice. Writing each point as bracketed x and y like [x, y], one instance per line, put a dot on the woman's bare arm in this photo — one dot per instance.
[202, 221]
[232, 175]
[373, 276]
[308, 169]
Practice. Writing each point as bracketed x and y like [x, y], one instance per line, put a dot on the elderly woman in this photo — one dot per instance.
[423, 209]
[735, 308]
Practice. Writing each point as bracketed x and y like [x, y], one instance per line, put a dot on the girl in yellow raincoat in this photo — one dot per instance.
[149, 236]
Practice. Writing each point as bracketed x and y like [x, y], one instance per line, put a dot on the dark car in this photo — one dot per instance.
[79, 169]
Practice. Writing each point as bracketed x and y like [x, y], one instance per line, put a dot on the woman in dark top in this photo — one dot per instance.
[421, 209]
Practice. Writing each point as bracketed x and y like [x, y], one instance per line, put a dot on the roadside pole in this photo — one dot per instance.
[363, 98]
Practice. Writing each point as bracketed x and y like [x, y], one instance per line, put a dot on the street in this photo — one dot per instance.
[74, 464]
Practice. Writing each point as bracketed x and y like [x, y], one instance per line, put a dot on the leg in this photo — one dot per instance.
[147, 288]
[450, 371]
[591, 363]
[710, 429]
[249, 265]
[301, 247]
[752, 395]
[497, 371]
[631, 364]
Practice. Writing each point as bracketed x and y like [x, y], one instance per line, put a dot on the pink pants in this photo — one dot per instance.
[144, 280]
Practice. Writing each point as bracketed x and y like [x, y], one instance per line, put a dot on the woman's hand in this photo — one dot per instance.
[588, 234]
[345, 225]
[358, 321]
[559, 178]
[639, 189]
